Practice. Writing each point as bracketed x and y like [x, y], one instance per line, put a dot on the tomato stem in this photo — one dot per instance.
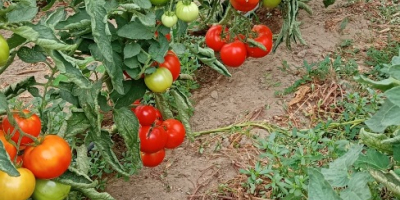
[9, 61]
[171, 2]
[227, 15]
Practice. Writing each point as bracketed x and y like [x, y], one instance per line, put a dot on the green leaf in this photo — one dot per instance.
[56, 17]
[128, 128]
[76, 179]
[132, 63]
[373, 140]
[394, 71]
[157, 50]
[337, 174]
[92, 193]
[77, 123]
[103, 103]
[163, 106]
[149, 19]
[319, 188]
[396, 152]
[136, 31]
[15, 40]
[18, 88]
[390, 180]
[178, 48]
[80, 20]
[183, 106]
[380, 85]
[5, 163]
[104, 143]
[373, 160]
[3, 103]
[386, 116]
[29, 55]
[131, 49]
[66, 93]
[328, 2]
[135, 90]
[22, 13]
[82, 159]
[43, 36]
[145, 4]
[357, 188]
[393, 95]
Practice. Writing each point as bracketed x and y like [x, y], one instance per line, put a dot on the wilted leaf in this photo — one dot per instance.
[390, 180]
[374, 140]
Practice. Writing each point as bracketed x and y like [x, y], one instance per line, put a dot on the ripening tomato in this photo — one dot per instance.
[4, 51]
[11, 149]
[169, 19]
[146, 114]
[271, 3]
[152, 139]
[50, 190]
[160, 80]
[213, 37]
[152, 159]
[17, 188]
[172, 63]
[30, 125]
[175, 132]
[187, 12]
[233, 54]
[244, 5]
[48, 160]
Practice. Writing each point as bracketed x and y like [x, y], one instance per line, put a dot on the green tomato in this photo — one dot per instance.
[48, 189]
[169, 19]
[187, 12]
[159, 81]
[4, 51]
[271, 3]
[159, 2]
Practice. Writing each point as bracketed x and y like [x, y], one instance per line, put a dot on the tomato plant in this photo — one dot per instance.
[160, 80]
[234, 54]
[187, 12]
[29, 124]
[152, 159]
[175, 132]
[169, 19]
[146, 114]
[152, 139]
[4, 51]
[244, 5]
[49, 159]
[172, 63]
[49, 189]
[11, 149]
[213, 37]
[17, 188]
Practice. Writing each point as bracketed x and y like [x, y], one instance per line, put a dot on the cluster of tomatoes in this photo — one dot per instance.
[233, 54]
[156, 135]
[46, 158]
[248, 5]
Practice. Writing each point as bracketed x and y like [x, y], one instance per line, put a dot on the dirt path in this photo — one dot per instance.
[222, 101]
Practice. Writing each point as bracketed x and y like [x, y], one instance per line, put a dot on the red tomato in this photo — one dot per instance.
[152, 139]
[233, 54]
[175, 131]
[213, 37]
[146, 114]
[256, 52]
[244, 5]
[262, 30]
[171, 62]
[11, 150]
[30, 125]
[159, 118]
[48, 160]
[152, 159]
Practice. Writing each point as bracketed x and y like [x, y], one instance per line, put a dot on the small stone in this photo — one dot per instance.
[259, 132]
[214, 94]
[225, 142]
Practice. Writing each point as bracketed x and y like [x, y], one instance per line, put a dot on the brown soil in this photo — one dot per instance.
[248, 94]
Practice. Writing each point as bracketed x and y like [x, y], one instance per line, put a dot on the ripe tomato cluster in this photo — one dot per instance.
[248, 5]
[156, 135]
[233, 54]
[47, 157]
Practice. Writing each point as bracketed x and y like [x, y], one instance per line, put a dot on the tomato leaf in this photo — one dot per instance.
[357, 187]
[373, 159]
[157, 50]
[393, 95]
[76, 179]
[22, 13]
[183, 106]
[56, 17]
[390, 180]
[374, 140]
[162, 106]
[145, 4]
[16, 89]
[319, 188]
[5, 163]
[178, 48]
[29, 55]
[82, 159]
[77, 123]
[79, 20]
[328, 2]
[131, 49]
[92, 193]
[387, 115]
[381, 85]
[135, 89]
[136, 31]
[15, 40]
[149, 19]
[3, 103]
[104, 143]
[128, 128]
[132, 63]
